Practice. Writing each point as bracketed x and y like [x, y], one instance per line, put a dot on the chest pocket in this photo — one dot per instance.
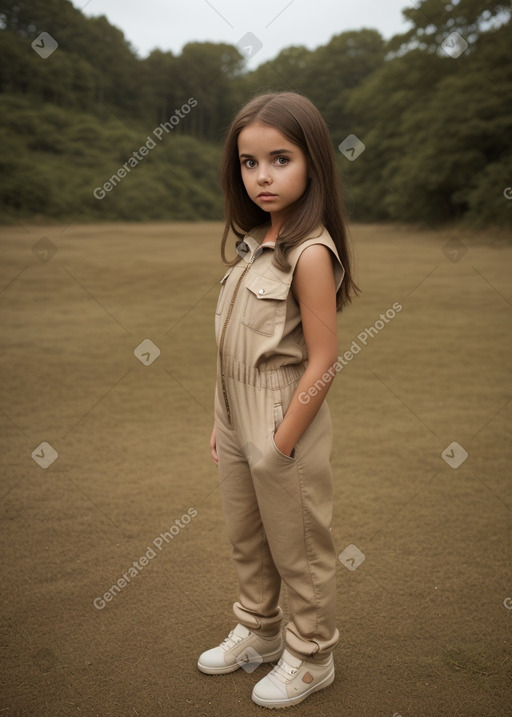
[222, 292]
[265, 304]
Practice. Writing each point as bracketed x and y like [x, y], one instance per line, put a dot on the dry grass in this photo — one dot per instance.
[423, 625]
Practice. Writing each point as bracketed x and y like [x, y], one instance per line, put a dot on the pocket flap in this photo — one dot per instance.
[264, 288]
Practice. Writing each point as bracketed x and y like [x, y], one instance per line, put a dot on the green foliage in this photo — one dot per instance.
[53, 159]
[433, 20]
[437, 129]
[432, 132]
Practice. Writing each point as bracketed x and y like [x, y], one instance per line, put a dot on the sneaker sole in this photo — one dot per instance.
[226, 669]
[295, 700]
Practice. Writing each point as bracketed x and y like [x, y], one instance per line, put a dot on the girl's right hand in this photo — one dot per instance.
[213, 445]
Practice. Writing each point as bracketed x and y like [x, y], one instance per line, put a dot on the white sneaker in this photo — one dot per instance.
[292, 680]
[241, 648]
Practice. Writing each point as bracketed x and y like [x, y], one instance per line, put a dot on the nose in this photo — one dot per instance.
[264, 176]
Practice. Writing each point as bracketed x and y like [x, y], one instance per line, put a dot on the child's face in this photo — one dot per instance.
[274, 171]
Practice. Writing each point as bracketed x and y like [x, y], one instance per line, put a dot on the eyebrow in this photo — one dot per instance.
[274, 151]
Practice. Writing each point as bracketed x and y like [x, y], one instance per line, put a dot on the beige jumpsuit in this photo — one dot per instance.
[277, 508]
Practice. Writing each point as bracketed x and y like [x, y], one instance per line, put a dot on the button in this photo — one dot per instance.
[261, 291]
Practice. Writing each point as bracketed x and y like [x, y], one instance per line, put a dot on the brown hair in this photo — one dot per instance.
[301, 123]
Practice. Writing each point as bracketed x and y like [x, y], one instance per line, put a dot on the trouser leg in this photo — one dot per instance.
[278, 514]
[259, 580]
[295, 503]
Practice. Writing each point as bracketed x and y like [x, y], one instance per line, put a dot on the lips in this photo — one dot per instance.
[266, 194]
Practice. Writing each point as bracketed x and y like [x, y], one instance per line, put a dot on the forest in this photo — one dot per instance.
[92, 132]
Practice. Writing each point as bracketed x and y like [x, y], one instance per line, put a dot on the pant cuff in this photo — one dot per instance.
[312, 650]
[253, 621]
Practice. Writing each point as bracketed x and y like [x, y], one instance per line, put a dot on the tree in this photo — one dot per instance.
[433, 20]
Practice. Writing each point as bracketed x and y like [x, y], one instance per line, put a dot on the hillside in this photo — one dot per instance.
[90, 130]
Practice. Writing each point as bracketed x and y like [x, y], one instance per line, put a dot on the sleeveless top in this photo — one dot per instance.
[257, 319]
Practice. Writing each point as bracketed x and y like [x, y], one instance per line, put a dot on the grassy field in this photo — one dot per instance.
[425, 618]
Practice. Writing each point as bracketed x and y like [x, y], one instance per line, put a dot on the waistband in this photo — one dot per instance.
[262, 378]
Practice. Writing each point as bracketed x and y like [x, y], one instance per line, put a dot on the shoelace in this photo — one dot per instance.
[284, 671]
[231, 638]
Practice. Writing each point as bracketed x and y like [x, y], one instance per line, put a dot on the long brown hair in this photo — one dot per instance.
[296, 117]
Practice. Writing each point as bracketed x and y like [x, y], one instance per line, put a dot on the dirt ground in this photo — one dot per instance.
[421, 462]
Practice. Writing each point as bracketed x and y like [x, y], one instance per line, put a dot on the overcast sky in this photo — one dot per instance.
[170, 24]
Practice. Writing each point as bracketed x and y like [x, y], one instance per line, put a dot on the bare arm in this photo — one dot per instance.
[315, 290]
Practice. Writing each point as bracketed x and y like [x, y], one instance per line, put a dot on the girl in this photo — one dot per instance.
[277, 345]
